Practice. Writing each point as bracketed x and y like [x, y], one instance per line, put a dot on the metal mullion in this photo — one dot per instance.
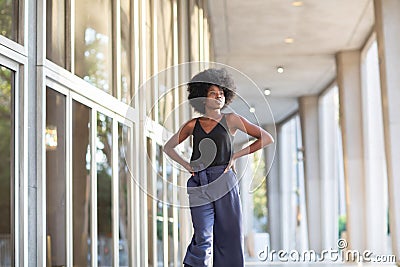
[135, 59]
[155, 60]
[142, 240]
[142, 63]
[41, 32]
[115, 193]
[93, 190]
[69, 188]
[175, 54]
[10, 53]
[71, 35]
[153, 175]
[22, 81]
[41, 167]
[175, 215]
[201, 31]
[135, 209]
[15, 173]
[116, 48]
[165, 212]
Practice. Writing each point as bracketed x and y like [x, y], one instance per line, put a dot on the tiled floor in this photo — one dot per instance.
[258, 263]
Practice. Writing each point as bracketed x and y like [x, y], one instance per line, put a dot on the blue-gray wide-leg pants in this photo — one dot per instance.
[217, 219]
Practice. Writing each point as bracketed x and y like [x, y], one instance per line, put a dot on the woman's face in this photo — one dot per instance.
[215, 97]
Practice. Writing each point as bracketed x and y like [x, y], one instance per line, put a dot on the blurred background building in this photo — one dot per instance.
[84, 181]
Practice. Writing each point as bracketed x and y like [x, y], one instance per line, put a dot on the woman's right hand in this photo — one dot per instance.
[189, 168]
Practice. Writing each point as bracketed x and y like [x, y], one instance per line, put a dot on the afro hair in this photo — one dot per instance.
[201, 82]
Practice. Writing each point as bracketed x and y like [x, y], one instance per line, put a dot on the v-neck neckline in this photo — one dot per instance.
[218, 122]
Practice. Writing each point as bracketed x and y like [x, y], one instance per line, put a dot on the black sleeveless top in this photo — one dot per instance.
[213, 148]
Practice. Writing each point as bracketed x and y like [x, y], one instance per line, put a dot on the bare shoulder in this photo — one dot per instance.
[188, 126]
[233, 118]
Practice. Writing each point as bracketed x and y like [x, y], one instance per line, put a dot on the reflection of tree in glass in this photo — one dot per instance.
[104, 173]
[6, 18]
[123, 158]
[260, 195]
[95, 60]
[5, 149]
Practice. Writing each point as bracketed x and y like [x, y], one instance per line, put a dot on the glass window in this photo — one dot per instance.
[9, 18]
[55, 34]
[148, 85]
[55, 178]
[170, 212]
[260, 194]
[81, 183]
[165, 60]
[126, 52]
[104, 189]
[331, 160]
[150, 202]
[374, 153]
[6, 168]
[93, 42]
[292, 186]
[194, 32]
[124, 144]
[160, 206]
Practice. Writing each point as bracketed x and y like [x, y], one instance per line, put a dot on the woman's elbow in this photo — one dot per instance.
[267, 139]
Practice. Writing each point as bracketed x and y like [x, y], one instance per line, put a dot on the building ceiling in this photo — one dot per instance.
[250, 37]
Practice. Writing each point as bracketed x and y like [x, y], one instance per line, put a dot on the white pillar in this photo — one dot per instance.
[349, 83]
[387, 17]
[376, 188]
[287, 191]
[273, 197]
[308, 110]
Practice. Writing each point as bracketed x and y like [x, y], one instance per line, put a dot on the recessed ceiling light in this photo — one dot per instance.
[252, 109]
[297, 3]
[289, 40]
[280, 69]
[267, 91]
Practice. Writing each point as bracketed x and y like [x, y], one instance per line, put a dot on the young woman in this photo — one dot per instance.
[213, 190]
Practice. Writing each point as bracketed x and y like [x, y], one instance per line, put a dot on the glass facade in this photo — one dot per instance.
[6, 167]
[55, 139]
[93, 43]
[56, 34]
[104, 147]
[9, 19]
[124, 192]
[84, 182]
[127, 92]
[81, 169]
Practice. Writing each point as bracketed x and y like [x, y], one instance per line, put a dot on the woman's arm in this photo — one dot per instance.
[237, 122]
[169, 148]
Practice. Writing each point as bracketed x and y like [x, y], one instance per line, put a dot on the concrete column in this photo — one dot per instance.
[349, 83]
[273, 197]
[376, 188]
[308, 109]
[387, 17]
[287, 190]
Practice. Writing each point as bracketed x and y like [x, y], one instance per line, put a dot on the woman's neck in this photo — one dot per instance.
[213, 113]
